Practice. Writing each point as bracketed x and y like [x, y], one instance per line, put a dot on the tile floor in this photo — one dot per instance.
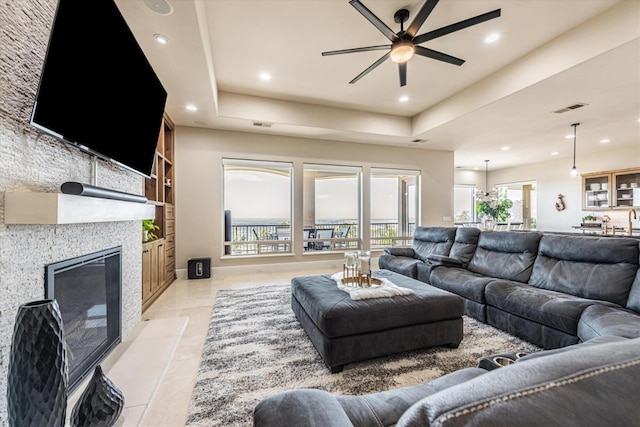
[156, 365]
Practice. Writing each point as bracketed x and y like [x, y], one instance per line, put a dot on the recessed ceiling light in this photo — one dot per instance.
[265, 76]
[191, 107]
[504, 148]
[554, 153]
[492, 38]
[604, 141]
[161, 38]
[403, 98]
[569, 136]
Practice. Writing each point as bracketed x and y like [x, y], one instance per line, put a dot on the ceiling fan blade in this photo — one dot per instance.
[455, 27]
[434, 54]
[357, 49]
[381, 26]
[402, 68]
[371, 67]
[422, 16]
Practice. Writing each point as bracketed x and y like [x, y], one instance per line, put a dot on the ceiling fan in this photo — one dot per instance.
[404, 44]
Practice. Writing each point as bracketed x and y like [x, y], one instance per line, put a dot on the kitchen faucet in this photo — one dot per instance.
[635, 216]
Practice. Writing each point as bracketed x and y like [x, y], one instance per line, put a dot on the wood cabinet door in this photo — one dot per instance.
[146, 271]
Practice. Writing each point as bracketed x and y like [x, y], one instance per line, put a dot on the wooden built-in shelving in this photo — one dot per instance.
[158, 256]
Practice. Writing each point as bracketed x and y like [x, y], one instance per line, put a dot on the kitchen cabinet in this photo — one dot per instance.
[618, 189]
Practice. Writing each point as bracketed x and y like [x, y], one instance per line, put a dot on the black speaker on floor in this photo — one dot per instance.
[227, 231]
[199, 268]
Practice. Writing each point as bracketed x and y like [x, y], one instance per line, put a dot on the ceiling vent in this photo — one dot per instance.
[262, 124]
[570, 107]
[419, 141]
[161, 7]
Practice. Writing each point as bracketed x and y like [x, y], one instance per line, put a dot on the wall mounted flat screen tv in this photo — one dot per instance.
[97, 89]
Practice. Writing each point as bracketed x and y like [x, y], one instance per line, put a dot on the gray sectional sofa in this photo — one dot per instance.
[576, 296]
[551, 290]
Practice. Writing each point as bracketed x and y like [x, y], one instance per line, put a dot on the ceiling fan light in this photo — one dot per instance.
[402, 52]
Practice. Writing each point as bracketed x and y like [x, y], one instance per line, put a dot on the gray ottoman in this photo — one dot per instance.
[346, 331]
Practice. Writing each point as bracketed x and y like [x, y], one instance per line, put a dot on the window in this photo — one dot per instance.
[464, 203]
[522, 215]
[331, 207]
[257, 204]
[394, 206]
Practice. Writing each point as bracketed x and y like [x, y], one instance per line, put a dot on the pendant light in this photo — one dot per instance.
[574, 171]
[486, 195]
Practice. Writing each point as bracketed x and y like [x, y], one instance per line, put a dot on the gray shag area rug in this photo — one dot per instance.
[255, 347]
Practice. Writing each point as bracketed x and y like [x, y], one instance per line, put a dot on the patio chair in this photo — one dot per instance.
[261, 246]
[324, 234]
[344, 233]
[283, 233]
[308, 233]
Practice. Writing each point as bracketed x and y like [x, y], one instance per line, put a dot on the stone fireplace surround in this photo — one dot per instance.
[31, 162]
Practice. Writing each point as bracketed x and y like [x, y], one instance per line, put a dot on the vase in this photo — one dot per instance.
[37, 382]
[487, 222]
[100, 404]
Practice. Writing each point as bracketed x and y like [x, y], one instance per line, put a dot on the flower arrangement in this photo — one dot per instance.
[498, 209]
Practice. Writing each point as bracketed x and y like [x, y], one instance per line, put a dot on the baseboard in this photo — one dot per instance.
[281, 267]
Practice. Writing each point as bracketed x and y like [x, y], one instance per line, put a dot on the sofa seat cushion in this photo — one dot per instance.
[599, 320]
[461, 282]
[550, 308]
[587, 386]
[589, 267]
[399, 264]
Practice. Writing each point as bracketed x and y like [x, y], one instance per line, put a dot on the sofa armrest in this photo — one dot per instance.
[400, 251]
[300, 408]
[444, 261]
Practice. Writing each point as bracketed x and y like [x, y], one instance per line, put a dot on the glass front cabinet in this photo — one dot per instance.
[611, 190]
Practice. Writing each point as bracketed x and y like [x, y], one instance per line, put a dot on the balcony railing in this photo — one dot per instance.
[257, 239]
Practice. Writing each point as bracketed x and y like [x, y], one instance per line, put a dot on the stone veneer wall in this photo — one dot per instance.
[30, 161]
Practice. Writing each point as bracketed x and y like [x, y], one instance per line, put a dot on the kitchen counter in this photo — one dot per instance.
[598, 231]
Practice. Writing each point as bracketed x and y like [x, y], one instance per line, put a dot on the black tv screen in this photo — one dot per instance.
[97, 89]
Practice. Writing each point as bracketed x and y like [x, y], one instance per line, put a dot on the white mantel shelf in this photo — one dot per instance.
[58, 208]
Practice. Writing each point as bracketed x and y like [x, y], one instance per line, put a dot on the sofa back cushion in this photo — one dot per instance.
[464, 245]
[601, 268]
[433, 240]
[505, 254]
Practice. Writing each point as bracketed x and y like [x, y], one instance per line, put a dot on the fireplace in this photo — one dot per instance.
[88, 290]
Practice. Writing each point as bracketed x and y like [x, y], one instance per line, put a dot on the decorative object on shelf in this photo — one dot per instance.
[100, 404]
[37, 383]
[574, 170]
[560, 203]
[148, 228]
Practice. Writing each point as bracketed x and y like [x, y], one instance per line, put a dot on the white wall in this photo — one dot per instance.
[199, 204]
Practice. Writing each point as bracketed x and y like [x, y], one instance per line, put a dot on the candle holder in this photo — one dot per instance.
[364, 268]
[350, 268]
